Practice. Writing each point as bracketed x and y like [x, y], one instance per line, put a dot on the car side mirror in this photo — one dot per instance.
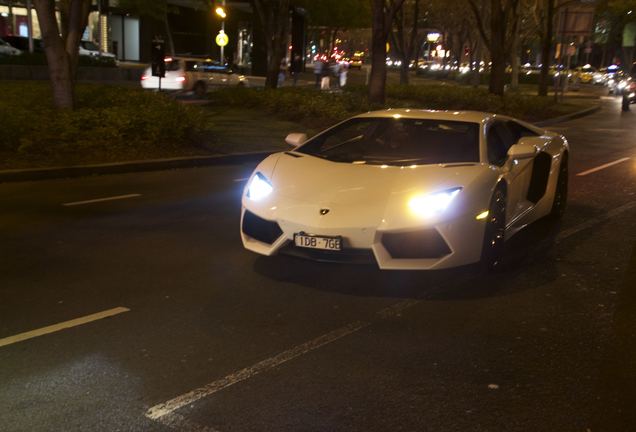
[524, 149]
[296, 139]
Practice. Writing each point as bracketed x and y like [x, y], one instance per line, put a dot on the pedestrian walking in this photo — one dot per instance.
[282, 72]
[296, 67]
[325, 81]
[318, 68]
[344, 69]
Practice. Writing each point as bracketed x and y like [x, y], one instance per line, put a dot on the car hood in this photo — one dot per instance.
[359, 193]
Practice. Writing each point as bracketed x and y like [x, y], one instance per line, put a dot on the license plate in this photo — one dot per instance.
[318, 242]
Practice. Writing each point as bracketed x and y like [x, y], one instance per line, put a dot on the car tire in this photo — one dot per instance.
[495, 231]
[199, 89]
[625, 105]
[561, 192]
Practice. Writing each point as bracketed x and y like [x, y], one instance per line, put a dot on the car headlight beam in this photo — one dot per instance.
[432, 204]
[259, 187]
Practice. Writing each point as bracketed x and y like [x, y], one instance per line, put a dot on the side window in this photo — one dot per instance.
[519, 131]
[173, 65]
[499, 139]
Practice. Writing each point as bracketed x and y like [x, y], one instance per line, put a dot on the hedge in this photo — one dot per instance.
[317, 108]
[109, 122]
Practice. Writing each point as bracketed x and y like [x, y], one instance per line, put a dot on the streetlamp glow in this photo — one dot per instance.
[433, 37]
[221, 12]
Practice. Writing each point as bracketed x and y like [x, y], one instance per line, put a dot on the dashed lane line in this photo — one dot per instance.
[167, 408]
[112, 198]
[62, 326]
[602, 167]
[165, 412]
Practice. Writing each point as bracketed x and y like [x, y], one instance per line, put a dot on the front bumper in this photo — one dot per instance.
[440, 246]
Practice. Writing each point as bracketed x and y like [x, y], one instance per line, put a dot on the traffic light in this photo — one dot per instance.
[158, 58]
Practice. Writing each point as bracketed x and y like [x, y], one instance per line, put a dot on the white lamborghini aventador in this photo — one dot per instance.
[406, 189]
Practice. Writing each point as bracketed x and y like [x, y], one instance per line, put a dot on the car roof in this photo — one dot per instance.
[466, 116]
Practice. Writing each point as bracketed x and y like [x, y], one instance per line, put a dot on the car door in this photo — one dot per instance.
[500, 136]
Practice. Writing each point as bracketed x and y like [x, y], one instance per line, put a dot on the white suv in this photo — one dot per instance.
[193, 74]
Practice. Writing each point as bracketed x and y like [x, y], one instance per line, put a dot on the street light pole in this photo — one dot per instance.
[30, 25]
[223, 30]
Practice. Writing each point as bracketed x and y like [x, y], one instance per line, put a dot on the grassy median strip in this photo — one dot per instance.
[116, 123]
[316, 109]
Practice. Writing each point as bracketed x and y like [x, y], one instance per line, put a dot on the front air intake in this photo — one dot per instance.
[260, 229]
[423, 244]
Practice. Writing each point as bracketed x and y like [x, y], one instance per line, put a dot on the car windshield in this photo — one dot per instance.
[397, 141]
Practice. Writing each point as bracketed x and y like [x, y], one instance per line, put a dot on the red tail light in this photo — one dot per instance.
[144, 77]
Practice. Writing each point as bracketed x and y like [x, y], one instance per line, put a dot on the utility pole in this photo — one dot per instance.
[30, 25]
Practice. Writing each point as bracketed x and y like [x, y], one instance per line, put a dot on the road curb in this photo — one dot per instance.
[574, 115]
[32, 174]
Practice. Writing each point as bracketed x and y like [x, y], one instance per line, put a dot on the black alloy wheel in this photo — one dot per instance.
[561, 192]
[495, 232]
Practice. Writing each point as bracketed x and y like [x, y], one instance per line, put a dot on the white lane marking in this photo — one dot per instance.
[596, 220]
[164, 412]
[602, 167]
[241, 179]
[178, 422]
[61, 326]
[167, 408]
[113, 198]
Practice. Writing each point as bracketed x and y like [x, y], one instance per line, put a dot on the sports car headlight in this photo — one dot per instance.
[432, 204]
[259, 187]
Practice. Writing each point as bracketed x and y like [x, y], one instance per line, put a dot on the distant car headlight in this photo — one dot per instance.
[622, 85]
[259, 187]
[432, 204]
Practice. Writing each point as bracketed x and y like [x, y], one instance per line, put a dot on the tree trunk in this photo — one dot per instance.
[382, 19]
[77, 21]
[497, 74]
[273, 65]
[404, 72]
[514, 54]
[56, 55]
[546, 45]
[274, 17]
[377, 81]
[497, 50]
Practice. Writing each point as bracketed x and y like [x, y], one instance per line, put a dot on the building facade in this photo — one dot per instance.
[189, 28]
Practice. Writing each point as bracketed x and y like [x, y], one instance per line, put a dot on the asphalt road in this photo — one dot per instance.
[206, 336]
